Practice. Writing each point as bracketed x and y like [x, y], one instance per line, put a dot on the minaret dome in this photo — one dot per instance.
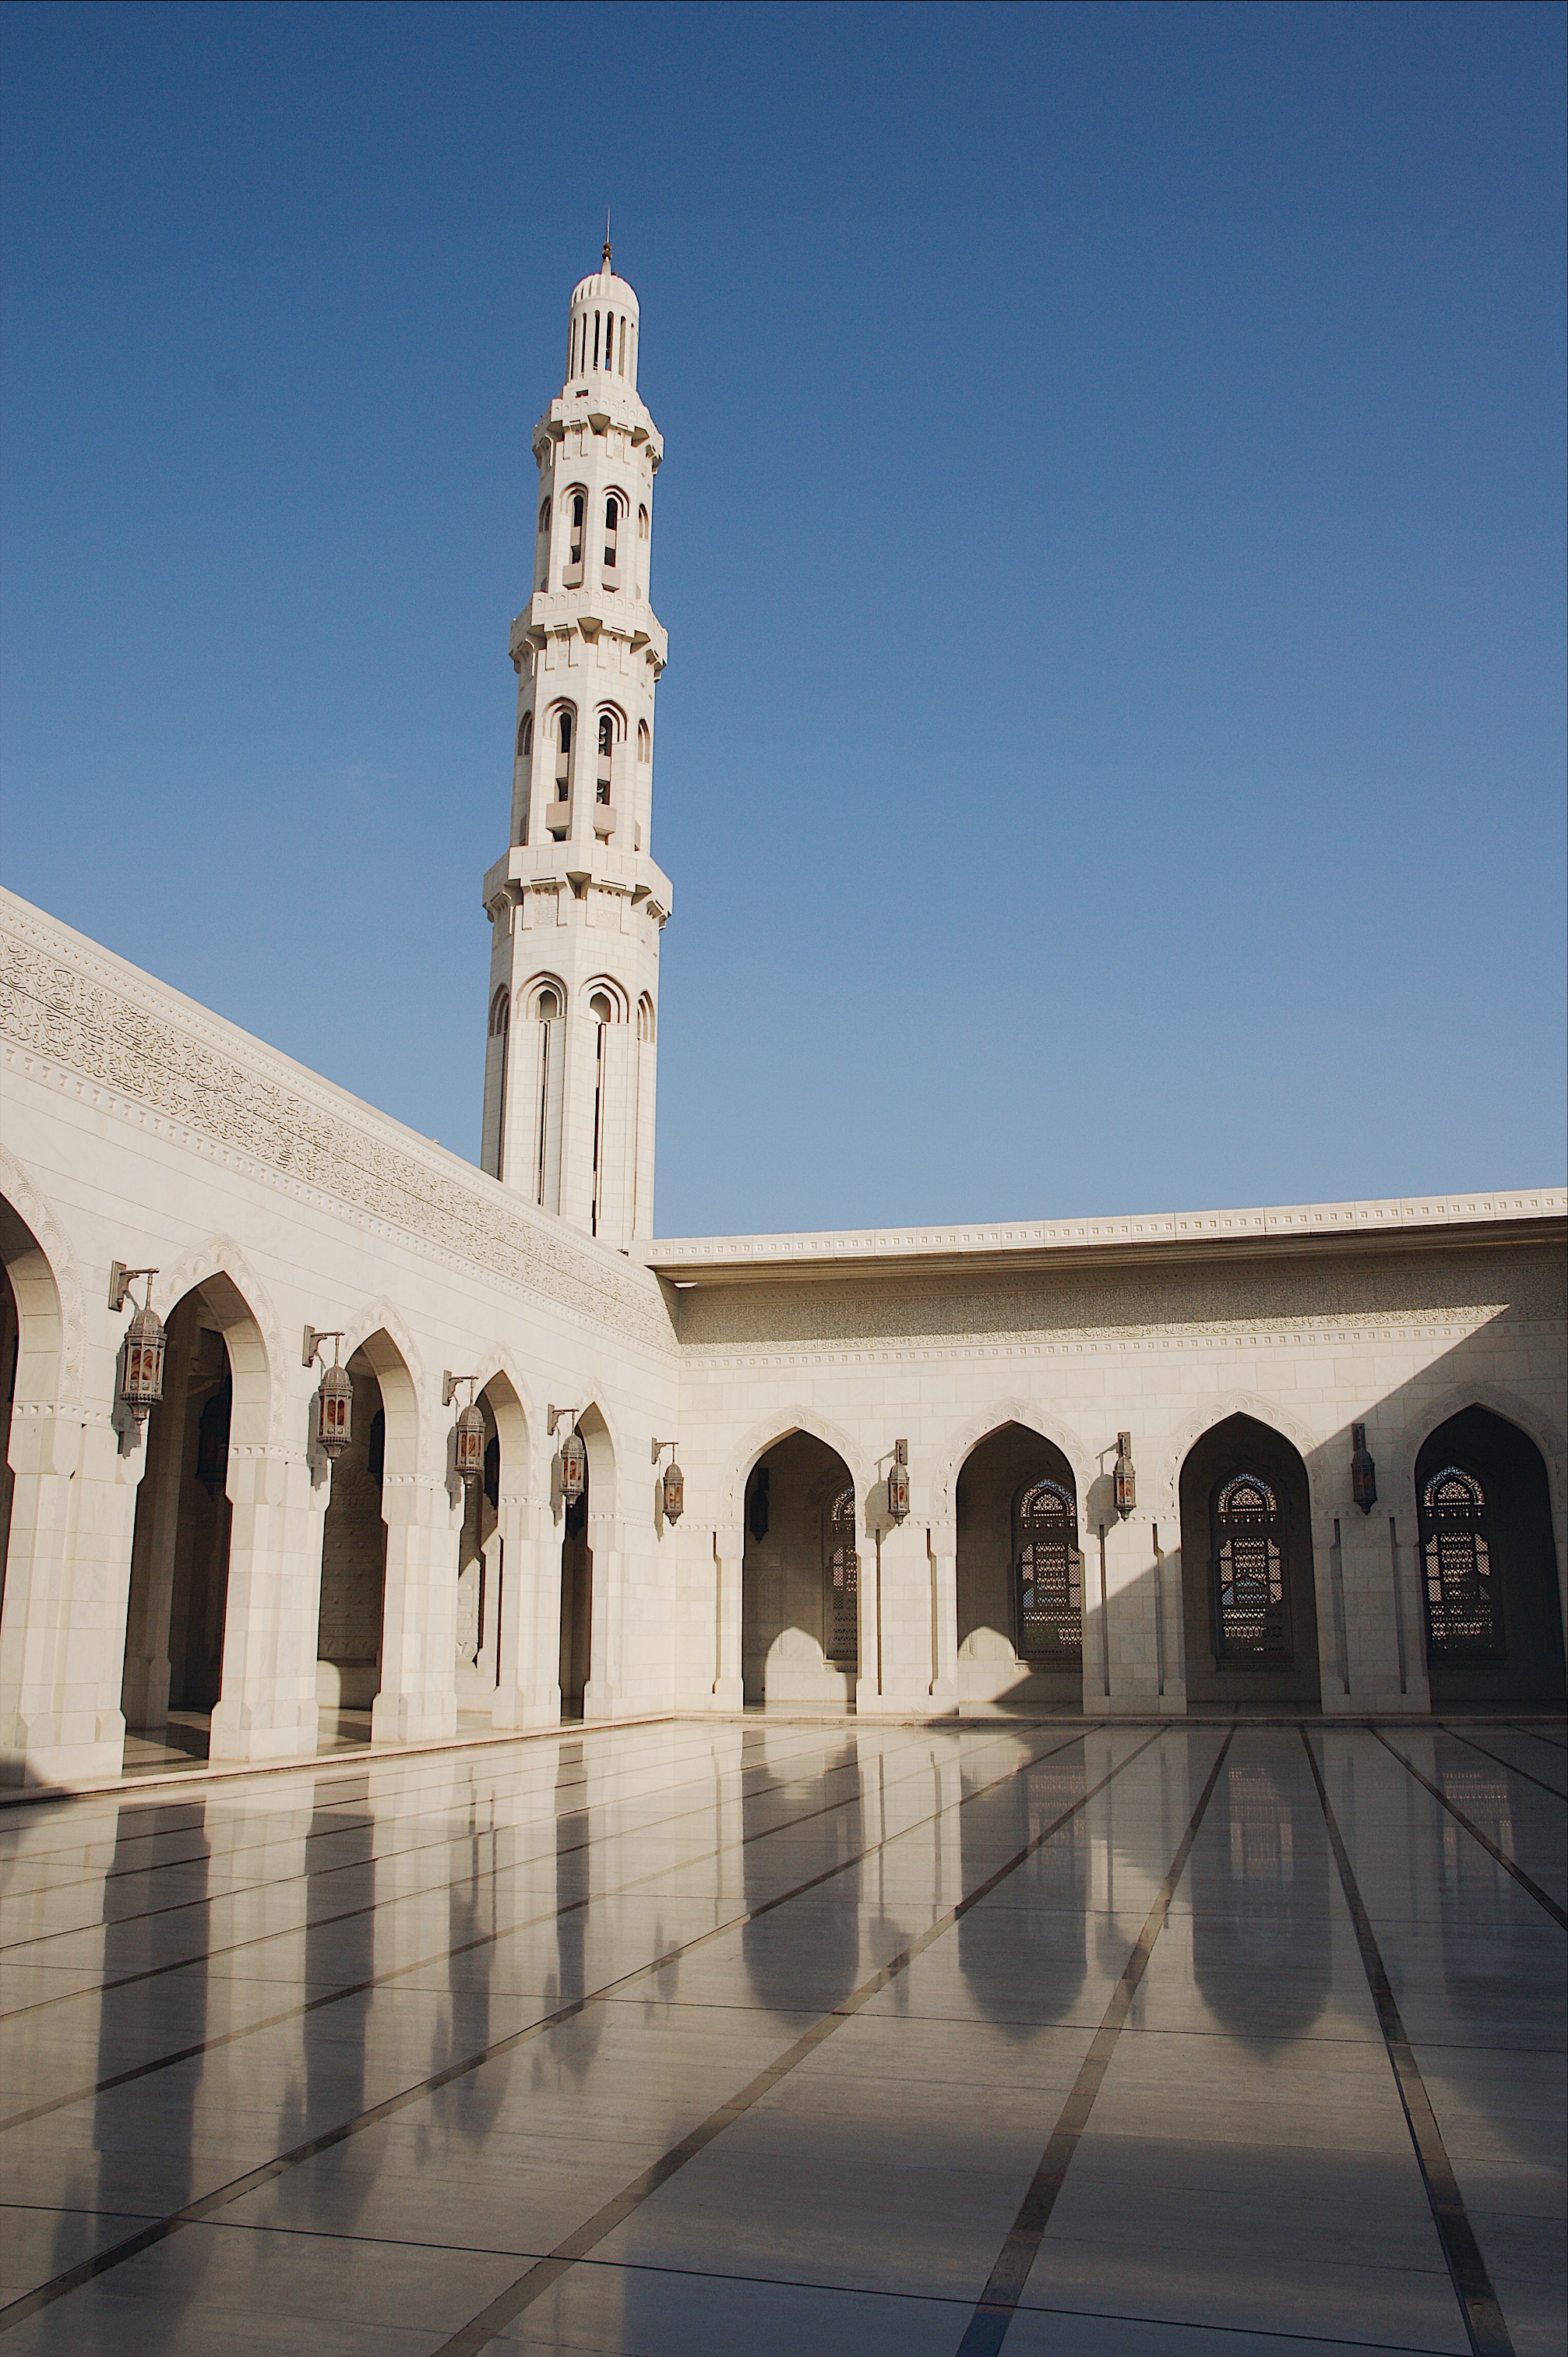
[601, 337]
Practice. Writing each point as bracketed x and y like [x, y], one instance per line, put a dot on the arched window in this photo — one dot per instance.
[1252, 1615]
[541, 546]
[576, 528]
[612, 533]
[645, 1019]
[546, 1006]
[500, 1027]
[1463, 1608]
[600, 1008]
[644, 742]
[602, 788]
[562, 755]
[1048, 1575]
[841, 1579]
[525, 736]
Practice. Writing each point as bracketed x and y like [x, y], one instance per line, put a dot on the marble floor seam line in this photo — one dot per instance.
[503, 2310]
[1004, 2285]
[1512, 1766]
[1478, 2303]
[71, 2279]
[1509, 1866]
[425, 1964]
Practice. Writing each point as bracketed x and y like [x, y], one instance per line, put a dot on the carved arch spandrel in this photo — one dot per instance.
[1404, 1442]
[66, 1346]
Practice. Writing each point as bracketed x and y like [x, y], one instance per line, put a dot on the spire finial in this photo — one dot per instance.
[607, 237]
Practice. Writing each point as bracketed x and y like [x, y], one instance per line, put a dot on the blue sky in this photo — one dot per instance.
[1111, 541]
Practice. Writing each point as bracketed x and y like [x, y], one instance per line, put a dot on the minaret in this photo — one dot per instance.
[577, 905]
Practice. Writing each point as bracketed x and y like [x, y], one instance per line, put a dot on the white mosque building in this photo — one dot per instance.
[309, 1424]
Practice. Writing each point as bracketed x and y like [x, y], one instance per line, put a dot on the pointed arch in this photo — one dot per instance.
[1217, 1409]
[1405, 1443]
[234, 1296]
[381, 1334]
[960, 1445]
[768, 1432]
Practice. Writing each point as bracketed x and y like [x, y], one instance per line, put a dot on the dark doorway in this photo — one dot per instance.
[1249, 1600]
[354, 1560]
[1020, 1571]
[576, 1606]
[1489, 1565]
[180, 1547]
[801, 1577]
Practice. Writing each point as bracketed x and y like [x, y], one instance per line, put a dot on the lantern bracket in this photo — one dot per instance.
[567, 1416]
[449, 1382]
[310, 1348]
[660, 1446]
[121, 1280]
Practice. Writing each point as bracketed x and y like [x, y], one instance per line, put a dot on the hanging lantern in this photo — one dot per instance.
[470, 1443]
[574, 1466]
[1123, 1481]
[898, 1482]
[1363, 1472]
[674, 1493]
[142, 1361]
[335, 1410]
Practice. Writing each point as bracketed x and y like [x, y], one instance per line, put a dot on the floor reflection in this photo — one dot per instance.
[1261, 1935]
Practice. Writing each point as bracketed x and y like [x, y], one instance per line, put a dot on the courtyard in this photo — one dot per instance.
[776, 2035]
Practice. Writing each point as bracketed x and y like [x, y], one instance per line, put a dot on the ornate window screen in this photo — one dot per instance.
[1048, 1575]
[1251, 1612]
[841, 1573]
[1463, 1608]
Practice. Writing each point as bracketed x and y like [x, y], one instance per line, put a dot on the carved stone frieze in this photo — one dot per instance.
[94, 1019]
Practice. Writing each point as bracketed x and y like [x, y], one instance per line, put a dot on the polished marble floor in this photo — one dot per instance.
[760, 2037]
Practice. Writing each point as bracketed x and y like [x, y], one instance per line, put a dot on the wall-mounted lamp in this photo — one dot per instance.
[1363, 1472]
[674, 1482]
[572, 1457]
[899, 1484]
[468, 1438]
[140, 1382]
[1123, 1481]
[335, 1398]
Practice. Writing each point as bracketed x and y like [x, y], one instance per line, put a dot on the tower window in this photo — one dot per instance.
[579, 512]
[525, 736]
[644, 742]
[600, 1008]
[612, 533]
[547, 1006]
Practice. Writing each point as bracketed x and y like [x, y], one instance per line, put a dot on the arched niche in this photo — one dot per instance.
[578, 1518]
[800, 1576]
[1019, 1571]
[1249, 1596]
[32, 1341]
[383, 1447]
[483, 1600]
[1488, 1563]
[217, 1398]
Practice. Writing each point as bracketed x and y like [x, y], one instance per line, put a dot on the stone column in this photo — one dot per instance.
[941, 1559]
[895, 1667]
[729, 1552]
[602, 1689]
[62, 1635]
[1132, 1628]
[528, 1693]
[267, 1707]
[418, 1701]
